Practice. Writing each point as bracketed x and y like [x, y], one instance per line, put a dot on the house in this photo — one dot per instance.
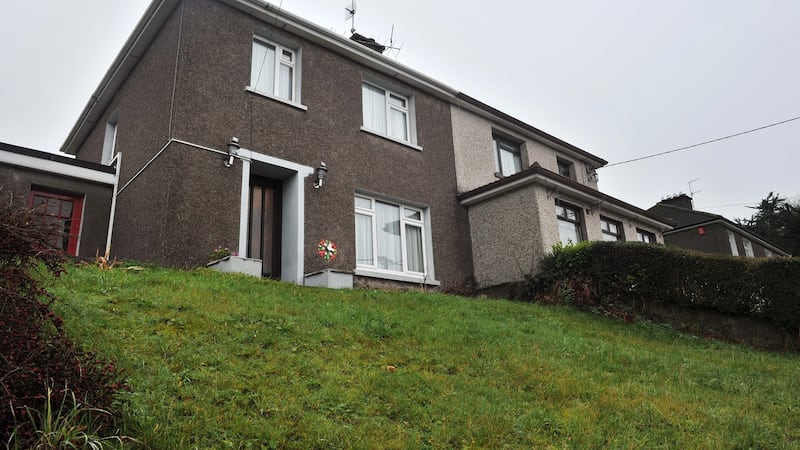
[526, 191]
[245, 126]
[76, 194]
[709, 233]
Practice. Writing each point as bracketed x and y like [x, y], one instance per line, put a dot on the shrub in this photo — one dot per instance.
[34, 350]
[610, 272]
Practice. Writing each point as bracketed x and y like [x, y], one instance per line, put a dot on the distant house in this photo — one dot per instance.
[75, 194]
[225, 110]
[710, 233]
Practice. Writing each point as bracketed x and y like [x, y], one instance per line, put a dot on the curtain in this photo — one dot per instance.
[374, 108]
[390, 252]
[364, 240]
[262, 70]
[414, 248]
[285, 86]
[399, 124]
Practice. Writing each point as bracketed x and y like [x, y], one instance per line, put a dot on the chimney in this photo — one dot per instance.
[368, 42]
[680, 201]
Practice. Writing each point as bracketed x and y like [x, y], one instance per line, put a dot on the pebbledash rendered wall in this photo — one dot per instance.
[187, 202]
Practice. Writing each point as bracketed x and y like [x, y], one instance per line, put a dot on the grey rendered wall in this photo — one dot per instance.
[511, 234]
[96, 202]
[472, 139]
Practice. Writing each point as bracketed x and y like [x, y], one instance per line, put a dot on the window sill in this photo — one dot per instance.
[395, 276]
[389, 138]
[277, 99]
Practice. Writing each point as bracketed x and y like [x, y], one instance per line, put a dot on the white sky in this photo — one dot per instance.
[620, 79]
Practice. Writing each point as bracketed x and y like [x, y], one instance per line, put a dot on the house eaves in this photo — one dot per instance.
[148, 27]
[488, 112]
[716, 219]
[537, 174]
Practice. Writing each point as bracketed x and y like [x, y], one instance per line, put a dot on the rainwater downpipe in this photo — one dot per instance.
[117, 161]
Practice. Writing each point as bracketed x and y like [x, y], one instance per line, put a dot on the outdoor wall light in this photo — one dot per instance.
[233, 147]
[322, 170]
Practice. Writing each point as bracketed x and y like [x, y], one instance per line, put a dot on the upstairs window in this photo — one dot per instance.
[386, 112]
[64, 212]
[273, 70]
[566, 168]
[569, 223]
[507, 160]
[612, 230]
[645, 236]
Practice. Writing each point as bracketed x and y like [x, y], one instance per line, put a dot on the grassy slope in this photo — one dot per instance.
[219, 360]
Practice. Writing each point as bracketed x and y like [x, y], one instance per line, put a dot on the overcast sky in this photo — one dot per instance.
[620, 79]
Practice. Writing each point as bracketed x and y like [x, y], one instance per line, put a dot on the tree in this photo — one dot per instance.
[776, 220]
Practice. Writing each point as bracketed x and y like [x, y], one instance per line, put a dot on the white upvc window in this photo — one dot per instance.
[748, 248]
[732, 242]
[390, 237]
[386, 112]
[273, 71]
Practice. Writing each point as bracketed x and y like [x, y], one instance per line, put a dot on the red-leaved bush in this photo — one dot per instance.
[34, 350]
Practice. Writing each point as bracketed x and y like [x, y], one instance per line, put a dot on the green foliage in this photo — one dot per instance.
[612, 271]
[226, 361]
[66, 423]
[34, 349]
[777, 221]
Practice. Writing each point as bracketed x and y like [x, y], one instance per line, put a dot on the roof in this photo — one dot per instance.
[683, 219]
[47, 156]
[160, 10]
[13, 155]
[536, 174]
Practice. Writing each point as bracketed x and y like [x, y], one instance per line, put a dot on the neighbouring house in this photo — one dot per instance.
[77, 195]
[710, 233]
[245, 126]
[526, 191]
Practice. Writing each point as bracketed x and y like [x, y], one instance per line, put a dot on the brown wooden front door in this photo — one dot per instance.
[264, 240]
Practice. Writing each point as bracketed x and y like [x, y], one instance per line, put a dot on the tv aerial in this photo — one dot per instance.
[350, 14]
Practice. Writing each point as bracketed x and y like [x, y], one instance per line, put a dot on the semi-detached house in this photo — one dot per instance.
[225, 110]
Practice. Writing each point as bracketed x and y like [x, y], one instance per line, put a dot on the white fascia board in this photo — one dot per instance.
[55, 167]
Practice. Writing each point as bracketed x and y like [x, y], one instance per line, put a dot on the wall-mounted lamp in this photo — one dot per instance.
[322, 170]
[233, 148]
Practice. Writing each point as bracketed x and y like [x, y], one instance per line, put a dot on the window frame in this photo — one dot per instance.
[562, 164]
[72, 237]
[605, 227]
[748, 248]
[422, 223]
[501, 143]
[732, 242]
[409, 111]
[641, 234]
[278, 61]
[577, 222]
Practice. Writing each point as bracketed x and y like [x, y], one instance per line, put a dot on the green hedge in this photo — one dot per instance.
[599, 273]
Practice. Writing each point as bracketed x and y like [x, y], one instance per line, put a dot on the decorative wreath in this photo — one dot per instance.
[327, 249]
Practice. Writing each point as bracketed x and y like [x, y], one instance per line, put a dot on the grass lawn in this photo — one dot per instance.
[228, 361]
